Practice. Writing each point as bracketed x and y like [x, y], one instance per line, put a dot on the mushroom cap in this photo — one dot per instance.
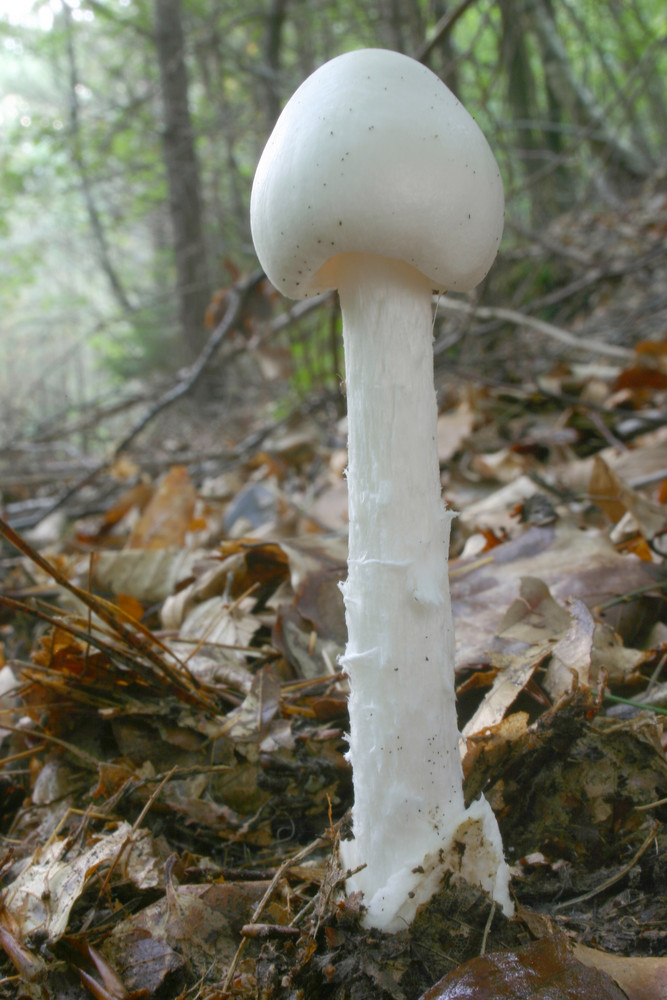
[374, 154]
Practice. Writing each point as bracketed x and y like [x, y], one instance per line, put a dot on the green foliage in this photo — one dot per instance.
[142, 346]
[81, 135]
[316, 353]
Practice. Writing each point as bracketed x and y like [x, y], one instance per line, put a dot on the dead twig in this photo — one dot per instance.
[188, 379]
[447, 305]
[136, 636]
[286, 865]
[614, 878]
[264, 931]
[135, 826]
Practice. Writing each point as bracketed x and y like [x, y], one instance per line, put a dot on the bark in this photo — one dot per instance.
[183, 179]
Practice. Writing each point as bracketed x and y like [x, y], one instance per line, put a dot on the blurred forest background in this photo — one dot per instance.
[173, 504]
[129, 133]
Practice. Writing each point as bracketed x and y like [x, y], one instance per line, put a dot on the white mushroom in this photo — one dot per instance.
[377, 182]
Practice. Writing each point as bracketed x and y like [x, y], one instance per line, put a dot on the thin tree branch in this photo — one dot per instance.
[570, 90]
[442, 29]
[103, 11]
[188, 379]
[446, 305]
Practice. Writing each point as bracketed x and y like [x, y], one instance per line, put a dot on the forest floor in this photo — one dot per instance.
[173, 785]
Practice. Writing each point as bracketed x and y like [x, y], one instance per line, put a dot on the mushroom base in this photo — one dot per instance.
[473, 851]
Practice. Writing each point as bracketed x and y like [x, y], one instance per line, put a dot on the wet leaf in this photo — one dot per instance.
[544, 970]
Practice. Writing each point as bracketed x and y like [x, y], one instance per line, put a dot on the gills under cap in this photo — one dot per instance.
[374, 154]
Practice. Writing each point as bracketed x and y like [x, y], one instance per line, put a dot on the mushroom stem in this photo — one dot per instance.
[408, 791]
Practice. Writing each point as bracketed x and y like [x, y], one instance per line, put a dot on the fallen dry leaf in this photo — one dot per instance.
[40, 898]
[533, 626]
[642, 977]
[168, 516]
[197, 925]
[148, 575]
[454, 427]
[616, 499]
[571, 562]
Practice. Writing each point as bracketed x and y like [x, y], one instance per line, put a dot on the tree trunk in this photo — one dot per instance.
[401, 26]
[272, 50]
[539, 116]
[182, 178]
[77, 147]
